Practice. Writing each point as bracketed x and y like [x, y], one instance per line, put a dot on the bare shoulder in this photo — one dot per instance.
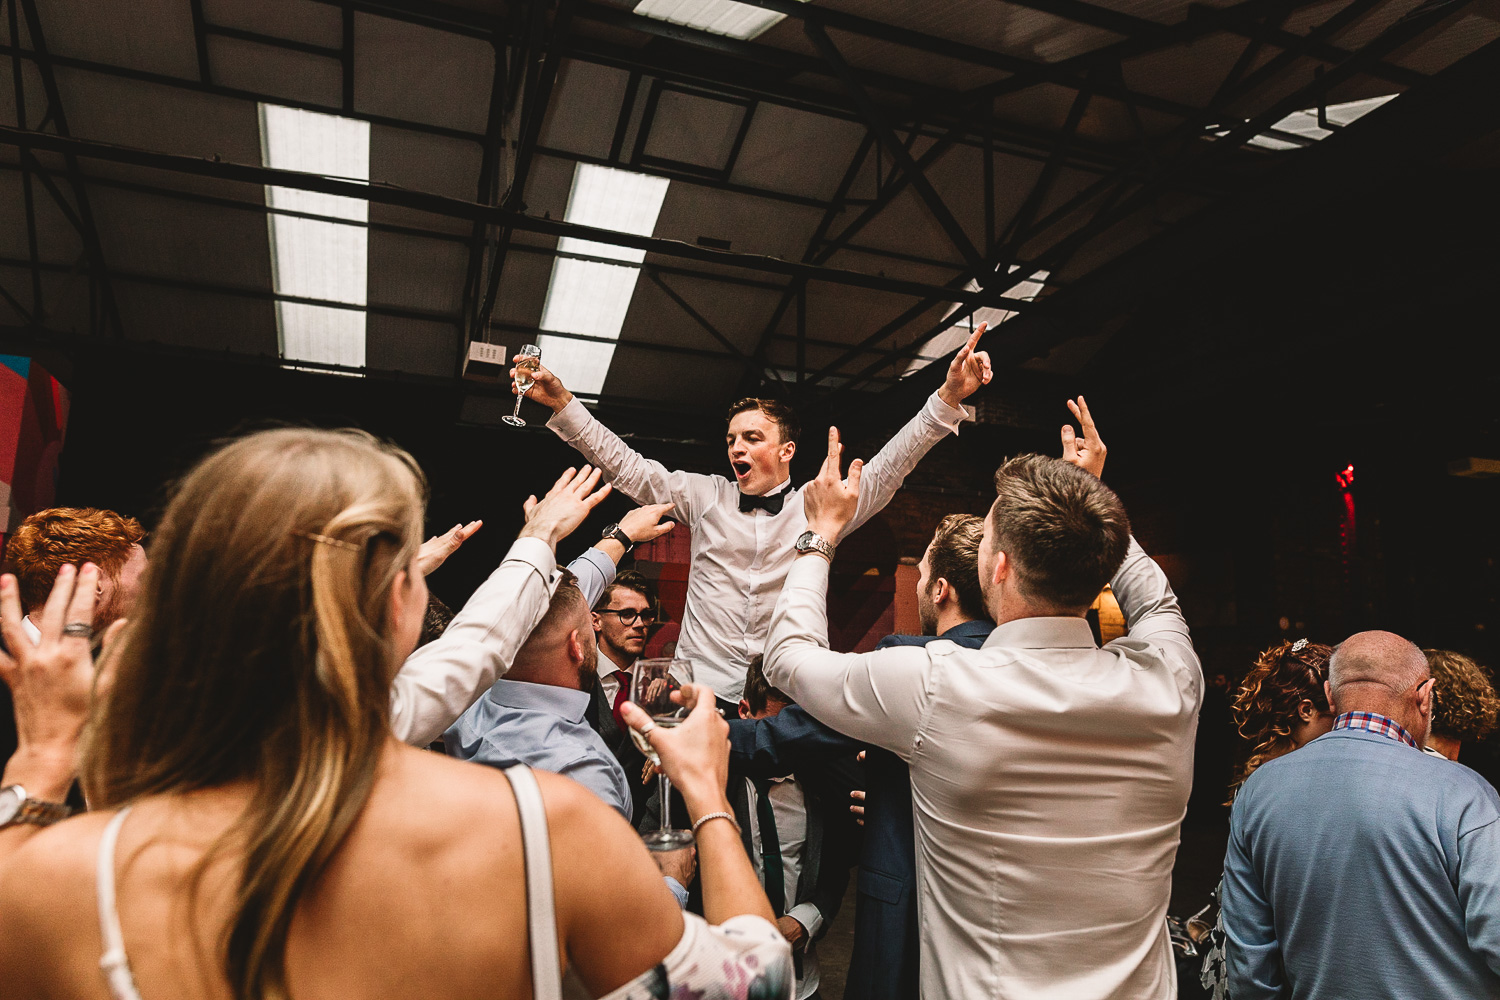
[56, 855]
[47, 893]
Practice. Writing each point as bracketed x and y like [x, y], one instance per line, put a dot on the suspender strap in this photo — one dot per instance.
[541, 915]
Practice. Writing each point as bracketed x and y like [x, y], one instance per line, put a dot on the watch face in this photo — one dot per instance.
[11, 798]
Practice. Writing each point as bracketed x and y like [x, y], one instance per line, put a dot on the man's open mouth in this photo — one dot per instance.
[741, 469]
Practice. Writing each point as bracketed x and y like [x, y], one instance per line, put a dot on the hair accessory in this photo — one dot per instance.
[326, 540]
[1299, 645]
[716, 815]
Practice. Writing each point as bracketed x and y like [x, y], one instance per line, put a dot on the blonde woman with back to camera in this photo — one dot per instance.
[276, 840]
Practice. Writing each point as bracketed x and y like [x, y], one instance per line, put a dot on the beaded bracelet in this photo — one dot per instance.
[715, 815]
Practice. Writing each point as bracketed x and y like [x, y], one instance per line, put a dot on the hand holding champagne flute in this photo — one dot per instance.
[527, 362]
[689, 741]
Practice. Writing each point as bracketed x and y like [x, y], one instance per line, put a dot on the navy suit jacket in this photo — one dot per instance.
[883, 965]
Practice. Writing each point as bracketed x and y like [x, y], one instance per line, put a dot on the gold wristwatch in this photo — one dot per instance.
[17, 808]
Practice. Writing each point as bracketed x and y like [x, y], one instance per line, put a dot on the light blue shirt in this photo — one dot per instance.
[1361, 867]
[517, 722]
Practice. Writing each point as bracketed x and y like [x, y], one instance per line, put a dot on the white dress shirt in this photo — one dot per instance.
[611, 676]
[739, 560]
[1049, 781]
[789, 807]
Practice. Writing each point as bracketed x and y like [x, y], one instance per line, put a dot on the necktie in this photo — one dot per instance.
[771, 503]
[770, 846]
[621, 697]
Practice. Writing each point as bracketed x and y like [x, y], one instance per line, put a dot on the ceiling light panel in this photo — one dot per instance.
[591, 298]
[954, 336]
[312, 259]
[717, 17]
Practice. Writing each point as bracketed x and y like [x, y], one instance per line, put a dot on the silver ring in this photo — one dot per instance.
[647, 728]
[78, 630]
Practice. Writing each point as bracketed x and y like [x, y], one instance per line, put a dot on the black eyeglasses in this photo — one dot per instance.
[629, 616]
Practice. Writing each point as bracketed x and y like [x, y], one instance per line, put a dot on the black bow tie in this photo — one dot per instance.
[771, 503]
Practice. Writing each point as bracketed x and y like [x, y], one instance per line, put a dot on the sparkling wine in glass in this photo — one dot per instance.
[530, 361]
[651, 688]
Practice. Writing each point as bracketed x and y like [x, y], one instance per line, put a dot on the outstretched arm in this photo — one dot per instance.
[439, 681]
[939, 417]
[874, 697]
[641, 479]
[785, 742]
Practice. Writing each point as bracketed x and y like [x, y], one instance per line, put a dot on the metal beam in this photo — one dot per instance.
[877, 124]
[499, 215]
[90, 232]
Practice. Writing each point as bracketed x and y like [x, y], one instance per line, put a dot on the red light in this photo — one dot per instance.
[1345, 479]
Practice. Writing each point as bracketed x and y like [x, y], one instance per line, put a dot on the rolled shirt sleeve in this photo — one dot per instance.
[594, 571]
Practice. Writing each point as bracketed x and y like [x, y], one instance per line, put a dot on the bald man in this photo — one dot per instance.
[1359, 866]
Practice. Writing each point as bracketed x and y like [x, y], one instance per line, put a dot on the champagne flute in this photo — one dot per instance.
[530, 360]
[651, 686]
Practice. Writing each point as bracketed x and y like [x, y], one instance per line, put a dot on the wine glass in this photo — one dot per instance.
[530, 360]
[651, 686]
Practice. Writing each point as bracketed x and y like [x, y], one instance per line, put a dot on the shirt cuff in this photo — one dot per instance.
[538, 555]
[949, 416]
[681, 894]
[568, 422]
[808, 916]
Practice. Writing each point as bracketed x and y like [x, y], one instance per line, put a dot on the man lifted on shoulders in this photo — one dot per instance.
[744, 529]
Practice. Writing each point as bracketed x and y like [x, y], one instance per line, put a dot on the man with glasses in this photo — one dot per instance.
[622, 618]
[1360, 866]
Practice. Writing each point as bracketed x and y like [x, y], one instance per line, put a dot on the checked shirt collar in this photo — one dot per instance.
[1376, 723]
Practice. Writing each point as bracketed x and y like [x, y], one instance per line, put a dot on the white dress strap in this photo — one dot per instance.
[541, 913]
[115, 965]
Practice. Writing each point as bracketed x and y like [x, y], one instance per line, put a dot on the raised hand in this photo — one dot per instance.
[436, 550]
[1088, 453]
[564, 508]
[546, 388]
[645, 523]
[831, 500]
[969, 370]
[50, 681]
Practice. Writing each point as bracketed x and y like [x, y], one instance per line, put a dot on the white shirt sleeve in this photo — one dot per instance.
[1152, 614]
[884, 474]
[808, 916]
[876, 697]
[639, 478]
[439, 681]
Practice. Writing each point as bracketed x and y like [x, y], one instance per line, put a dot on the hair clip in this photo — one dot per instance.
[1299, 645]
[326, 540]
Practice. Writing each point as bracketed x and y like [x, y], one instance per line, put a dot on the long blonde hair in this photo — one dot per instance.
[260, 651]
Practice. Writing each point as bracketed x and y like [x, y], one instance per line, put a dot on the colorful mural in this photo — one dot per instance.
[33, 422]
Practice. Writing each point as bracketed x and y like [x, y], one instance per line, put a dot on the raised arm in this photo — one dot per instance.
[595, 568]
[439, 681]
[641, 479]
[939, 417]
[874, 697]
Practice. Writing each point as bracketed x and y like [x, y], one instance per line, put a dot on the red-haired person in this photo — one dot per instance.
[72, 536]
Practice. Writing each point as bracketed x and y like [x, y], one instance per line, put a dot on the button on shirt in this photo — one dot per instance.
[1049, 779]
[517, 722]
[740, 560]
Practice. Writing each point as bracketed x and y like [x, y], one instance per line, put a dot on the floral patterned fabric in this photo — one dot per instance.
[1215, 976]
[744, 958]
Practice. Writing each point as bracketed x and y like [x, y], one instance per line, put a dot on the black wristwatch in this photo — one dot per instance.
[618, 534]
[17, 808]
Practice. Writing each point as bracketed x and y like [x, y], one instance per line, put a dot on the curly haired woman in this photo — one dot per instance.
[1279, 707]
[1464, 703]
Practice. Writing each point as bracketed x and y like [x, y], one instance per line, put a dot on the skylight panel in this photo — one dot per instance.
[717, 17]
[954, 336]
[313, 259]
[588, 297]
[1304, 123]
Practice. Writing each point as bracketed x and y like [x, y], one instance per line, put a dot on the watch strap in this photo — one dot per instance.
[619, 535]
[35, 812]
[811, 541]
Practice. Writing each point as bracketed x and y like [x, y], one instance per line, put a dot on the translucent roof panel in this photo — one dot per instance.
[311, 259]
[591, 298]
[717, 17]
[951, 338]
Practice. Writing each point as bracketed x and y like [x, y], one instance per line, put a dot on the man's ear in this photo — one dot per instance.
[597, 619]
[744, 709]
[1424, 697]
[787, 450]
[1328, 693]
[1002, 567]
[575, 647]
[940, 590]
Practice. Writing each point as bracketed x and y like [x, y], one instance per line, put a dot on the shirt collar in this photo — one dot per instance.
[786, 484]
[1376, 723]
[606, 666]
[1043, 633]
[567, 703]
